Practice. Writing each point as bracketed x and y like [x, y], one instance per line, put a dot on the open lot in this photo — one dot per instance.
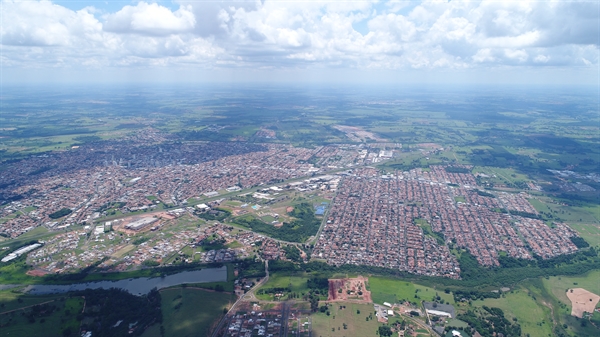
[396, 291]
[582, 301]
[356, 323]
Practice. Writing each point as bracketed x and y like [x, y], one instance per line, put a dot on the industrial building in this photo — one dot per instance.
[141, 223]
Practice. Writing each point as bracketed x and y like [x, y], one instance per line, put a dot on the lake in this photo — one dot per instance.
[137, 286]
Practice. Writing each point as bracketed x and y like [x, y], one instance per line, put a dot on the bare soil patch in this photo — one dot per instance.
[582, 301]
[349, 290]
[37, 272]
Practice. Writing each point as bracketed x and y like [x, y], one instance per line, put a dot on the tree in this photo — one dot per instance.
[385, 331]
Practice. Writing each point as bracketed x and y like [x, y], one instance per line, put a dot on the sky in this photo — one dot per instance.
[448, 42]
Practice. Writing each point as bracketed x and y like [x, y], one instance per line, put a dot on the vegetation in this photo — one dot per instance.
[490, 322]
[60, 213]
[182, 314]
[299, 230]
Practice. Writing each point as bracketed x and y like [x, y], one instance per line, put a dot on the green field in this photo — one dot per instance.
[569, 214]
[190, 312]
[534, 318]
[356, 324]
[394, 291]
[558, 285]
[295, 283]
[60, 321]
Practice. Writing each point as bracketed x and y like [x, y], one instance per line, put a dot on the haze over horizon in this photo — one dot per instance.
[396, 42]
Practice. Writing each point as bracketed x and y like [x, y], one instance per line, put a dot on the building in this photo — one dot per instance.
[438, 309]
[141, 223]
[20, 251]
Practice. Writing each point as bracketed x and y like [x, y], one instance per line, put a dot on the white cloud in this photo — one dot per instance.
[29, 23]
[150, 19]
[281, 34]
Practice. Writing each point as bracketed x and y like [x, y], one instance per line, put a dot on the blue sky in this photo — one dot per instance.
[314, 41]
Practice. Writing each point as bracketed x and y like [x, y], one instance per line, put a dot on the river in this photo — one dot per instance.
[137, 286]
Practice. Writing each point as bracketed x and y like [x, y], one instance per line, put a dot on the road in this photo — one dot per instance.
[248, 296]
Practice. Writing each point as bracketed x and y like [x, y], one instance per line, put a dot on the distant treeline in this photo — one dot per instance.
[473, 274]
[455, 169]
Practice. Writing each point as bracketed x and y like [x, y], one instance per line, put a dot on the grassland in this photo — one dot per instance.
[190, 312]
[296, 283]
[16, 316]
[395, 291]
[534, 318]
[558, 285]
[356, 324]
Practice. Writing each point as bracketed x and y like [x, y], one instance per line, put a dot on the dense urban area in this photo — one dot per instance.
[335, 230]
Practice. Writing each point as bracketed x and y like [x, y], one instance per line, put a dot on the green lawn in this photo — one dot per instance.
[356, 324]
[534, 318]
[393, 291]
[190, 312]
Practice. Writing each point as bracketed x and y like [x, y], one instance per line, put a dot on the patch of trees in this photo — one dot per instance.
[87, 139]
[579, 242]
[525, 214]
[218, 214]
[274, 290]
[385, 331]
[455, 169]
[472, 295]
[299, 230]
[318, 283]
[109, 205]
[292, 253]
[485, 194]
[491, 322]
[249, 268]
[60, 213]
[511, 262]
[114, 305]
